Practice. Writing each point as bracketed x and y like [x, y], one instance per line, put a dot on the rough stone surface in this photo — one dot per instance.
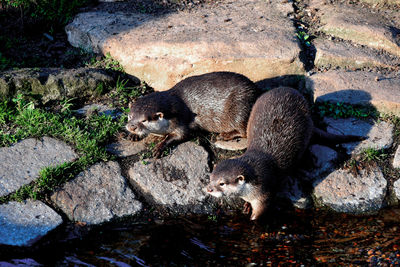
[255, 38]
[97, 195]
[23, 223]
[379, 135]
[357, 88]
[323, 158]
[125, 148]
[54, 84]
[360, 25]
[342, 54]
[99, 109]
[396, 188]
[382, 2]
[20, 163]
[236, 144]
[175, 181]
[342, 191]
[396, 159]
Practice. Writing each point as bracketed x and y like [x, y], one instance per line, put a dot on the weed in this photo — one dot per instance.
[88, 135]
[371, 154]
[303, 37]
[107, 62]
[341, 110]
[124, 93]
[212, 218]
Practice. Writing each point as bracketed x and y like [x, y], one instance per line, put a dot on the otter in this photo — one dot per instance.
[278, 133]
[218, 102]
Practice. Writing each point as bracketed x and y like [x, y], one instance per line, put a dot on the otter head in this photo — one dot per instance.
[143, 119]
[229, 178]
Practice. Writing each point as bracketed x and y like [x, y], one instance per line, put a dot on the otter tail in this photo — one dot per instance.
[322, 137]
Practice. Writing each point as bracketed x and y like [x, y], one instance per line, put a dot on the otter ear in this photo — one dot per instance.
[158, 115]
[240, 179]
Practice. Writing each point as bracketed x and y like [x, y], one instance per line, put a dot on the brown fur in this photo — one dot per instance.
[217, 102]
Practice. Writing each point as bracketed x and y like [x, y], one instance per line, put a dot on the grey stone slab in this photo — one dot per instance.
[379, 134]
[343, 191]
[357, 88]
[23, 223]
[293, 190]
[54, 83]
[359, 25]
[255, 38]
[175, 181]
[97, 195]
[396, 159]
[20, 163]
[396, 188]
[125, 148]
[344, 55]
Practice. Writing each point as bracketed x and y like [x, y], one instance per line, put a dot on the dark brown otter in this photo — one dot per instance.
[217, 102]
[278, 133]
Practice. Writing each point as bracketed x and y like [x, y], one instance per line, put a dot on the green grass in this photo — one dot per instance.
[88, 136]
[107, 62]
[371, 154]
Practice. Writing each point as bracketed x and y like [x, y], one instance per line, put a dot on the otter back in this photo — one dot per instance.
[280, 125]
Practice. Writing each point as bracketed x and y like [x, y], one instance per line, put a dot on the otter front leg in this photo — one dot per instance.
[258, 207]
[179, 134]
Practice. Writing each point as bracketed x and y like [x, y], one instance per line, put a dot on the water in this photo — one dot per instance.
[293, 239]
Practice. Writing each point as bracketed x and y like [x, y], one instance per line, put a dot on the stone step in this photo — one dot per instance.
[332, 54]
[97, 195]
[360, 25]
[24, 223]
[21, 163]
[357, 88]
[254, 38]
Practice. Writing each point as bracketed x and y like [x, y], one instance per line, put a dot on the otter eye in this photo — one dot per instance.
[143, 120]
[221, 184]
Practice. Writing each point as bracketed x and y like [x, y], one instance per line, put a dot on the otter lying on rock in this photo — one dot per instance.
[217, 102]
[278, 132]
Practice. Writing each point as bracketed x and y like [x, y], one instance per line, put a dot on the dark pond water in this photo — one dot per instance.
[293, 239]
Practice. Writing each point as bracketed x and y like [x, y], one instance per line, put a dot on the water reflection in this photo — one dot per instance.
[297, 238]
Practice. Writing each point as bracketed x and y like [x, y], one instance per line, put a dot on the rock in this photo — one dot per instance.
[323, 158]
[396, 188]
[293, 191]
[97, 195]
[379, 135]
[24, 223]
[20, 163]
[359, 25]
[382, 2]
[344, 55]
[342, 191]
[125, 148]
[55, 84]
[175, 181]
[396, 159]
[357, 88]
[254, 38]
[99, 109]
[20, 263]
[236, 144]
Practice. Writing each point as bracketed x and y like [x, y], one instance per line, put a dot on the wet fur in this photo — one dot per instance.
[278, 132]
[217, 102]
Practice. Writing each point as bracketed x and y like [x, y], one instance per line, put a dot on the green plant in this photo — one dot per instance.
[341, 110]
[303, 37]
[371, 154]
[106, 62]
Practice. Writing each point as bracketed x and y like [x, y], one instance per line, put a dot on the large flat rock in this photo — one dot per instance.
[175, 181]
[357, 88]
[379, 135]
[20, 163]
[332, 54]
[360, 25]
[254, 38]
[344, 191]
[97, 195]
[23, 223]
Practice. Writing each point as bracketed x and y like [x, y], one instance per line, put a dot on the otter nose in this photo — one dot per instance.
[209, 189]
[131, 128]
